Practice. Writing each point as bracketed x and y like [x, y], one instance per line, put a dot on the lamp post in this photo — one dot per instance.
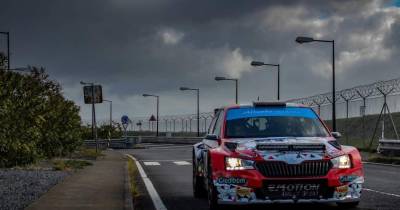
[198, 105]
[259, 63]
[94, 127]
[302, 40]
[110, 116]
[8, 48]
[236, 85]
[158, 104]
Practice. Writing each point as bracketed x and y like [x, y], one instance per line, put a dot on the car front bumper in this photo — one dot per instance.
[232, 193]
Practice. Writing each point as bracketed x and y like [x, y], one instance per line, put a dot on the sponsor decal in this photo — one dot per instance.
[350, 178]
[231, 180]
[243, 192]
[269, 111]
[293, 187]
[342, 189]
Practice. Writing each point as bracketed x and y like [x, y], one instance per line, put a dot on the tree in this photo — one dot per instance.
[3, 61]
[36, 120]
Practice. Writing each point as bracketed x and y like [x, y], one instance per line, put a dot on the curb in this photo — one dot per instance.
[128, 202]
[380, 164]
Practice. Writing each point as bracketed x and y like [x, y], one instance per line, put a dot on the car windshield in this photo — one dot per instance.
[259, 122]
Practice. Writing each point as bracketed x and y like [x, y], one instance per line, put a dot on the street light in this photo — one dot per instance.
[198, 105]
[301, 40]
[158, 104]
[110, 116]
[8, 48]
[259, 63]
[94, 127]
[236, 85]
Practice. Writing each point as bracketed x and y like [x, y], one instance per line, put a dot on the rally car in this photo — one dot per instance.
[274, 153]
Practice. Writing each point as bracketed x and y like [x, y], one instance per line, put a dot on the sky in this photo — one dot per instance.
[132, 47]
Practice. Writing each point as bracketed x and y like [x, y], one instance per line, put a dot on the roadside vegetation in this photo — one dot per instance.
[36, 120]
[104, 131]
[134, 183]
[68, 165]
[357, 135]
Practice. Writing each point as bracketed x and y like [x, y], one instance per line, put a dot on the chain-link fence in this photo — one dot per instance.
[358, 111]
[174, 123]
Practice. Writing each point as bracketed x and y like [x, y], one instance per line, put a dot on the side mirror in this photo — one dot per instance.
[212, 137]
[337, 135]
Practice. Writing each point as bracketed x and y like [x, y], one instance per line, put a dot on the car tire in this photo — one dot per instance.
[348, 205]
[198, 188]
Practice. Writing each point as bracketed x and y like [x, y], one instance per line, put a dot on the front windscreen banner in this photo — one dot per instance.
[270, 112]
[88, 94]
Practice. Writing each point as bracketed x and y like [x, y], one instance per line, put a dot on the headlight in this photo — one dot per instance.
[238, 164]
[341, 162]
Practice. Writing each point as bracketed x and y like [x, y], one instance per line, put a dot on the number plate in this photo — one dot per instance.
[286, 189]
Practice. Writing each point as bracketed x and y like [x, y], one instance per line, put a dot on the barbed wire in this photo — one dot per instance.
[376, 89]
[380, 88]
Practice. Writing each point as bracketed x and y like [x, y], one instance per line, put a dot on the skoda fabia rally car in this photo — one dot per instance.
[274, 153]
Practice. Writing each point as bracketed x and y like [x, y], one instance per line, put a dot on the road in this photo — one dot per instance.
[169, 168]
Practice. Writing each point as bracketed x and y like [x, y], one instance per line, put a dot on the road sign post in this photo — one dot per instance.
[92, 94]
[125, 122]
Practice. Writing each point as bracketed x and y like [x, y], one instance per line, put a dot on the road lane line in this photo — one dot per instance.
[166, 160]
[182, 163]
[151, 163]
[169, 147]
[380, 192]
[155, 197]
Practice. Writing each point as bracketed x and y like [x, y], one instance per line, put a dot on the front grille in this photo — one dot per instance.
[304, 169]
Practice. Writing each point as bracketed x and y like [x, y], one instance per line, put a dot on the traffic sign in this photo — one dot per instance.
[125, 120]
[152, 118]
[90, 91]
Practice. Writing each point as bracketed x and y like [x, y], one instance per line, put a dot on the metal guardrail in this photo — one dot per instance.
[389, 147]
[131, 141]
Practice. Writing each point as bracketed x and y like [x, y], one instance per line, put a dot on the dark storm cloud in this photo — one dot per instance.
[155, 46]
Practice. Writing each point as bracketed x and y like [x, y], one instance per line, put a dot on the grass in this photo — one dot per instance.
[87, 153]
[133, 175]
[68, 165]
[138, 146]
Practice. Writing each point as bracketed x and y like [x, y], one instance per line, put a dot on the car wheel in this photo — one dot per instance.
[348, 205]
[198, 189]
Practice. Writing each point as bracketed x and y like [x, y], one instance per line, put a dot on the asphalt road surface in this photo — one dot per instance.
[169, 168]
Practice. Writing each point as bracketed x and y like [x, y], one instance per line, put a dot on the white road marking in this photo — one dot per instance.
[156, 145]
[182, 163]
[151, 163]
[170, 147]
[155, 197]
[380, 192]
[166, 160]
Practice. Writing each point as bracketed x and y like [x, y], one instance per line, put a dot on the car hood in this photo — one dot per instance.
[292, 150]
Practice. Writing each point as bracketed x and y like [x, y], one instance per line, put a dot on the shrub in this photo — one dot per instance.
[36, 120]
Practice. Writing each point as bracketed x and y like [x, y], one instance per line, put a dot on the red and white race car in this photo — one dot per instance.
[274, 153]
